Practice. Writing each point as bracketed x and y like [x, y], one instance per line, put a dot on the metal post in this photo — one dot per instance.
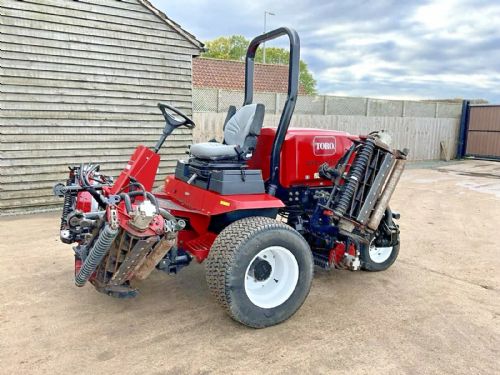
[265, 29]
[217, 105]
[464, 126]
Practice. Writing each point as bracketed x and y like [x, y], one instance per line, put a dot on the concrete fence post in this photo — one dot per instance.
[217, 107]
[325, 105]
[276, 103]
[403, 110]
[367, 112]
[436, 112]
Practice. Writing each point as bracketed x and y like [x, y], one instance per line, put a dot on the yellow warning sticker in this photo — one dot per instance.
[225, 203]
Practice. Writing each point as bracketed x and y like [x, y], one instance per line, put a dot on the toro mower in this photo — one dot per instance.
[261, 208]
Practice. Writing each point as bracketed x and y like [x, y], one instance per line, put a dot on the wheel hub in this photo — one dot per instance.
[261, 269]
[379, 254]
[271, 277]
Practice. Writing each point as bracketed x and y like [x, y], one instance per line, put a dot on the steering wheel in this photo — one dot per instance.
[172, 115]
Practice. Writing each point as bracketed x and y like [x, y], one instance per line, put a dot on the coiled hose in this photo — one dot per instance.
[98, 251]
[356, 172]
[67, 206]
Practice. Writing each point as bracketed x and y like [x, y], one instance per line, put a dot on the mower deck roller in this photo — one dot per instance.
[262, 206]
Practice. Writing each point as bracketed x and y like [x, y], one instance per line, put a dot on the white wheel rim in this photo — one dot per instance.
[380, 254]
[271, 288]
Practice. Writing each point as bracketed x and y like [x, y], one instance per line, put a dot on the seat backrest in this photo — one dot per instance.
[244, 126]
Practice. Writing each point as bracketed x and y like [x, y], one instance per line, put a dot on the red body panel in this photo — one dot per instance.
[210, 203]
[84, 201]
[143, 166]
[303, 151]
[198, 206]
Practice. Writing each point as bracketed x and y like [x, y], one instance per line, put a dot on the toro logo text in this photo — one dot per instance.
[324, 145]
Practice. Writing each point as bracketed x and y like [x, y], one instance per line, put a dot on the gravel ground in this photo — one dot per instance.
[437, 310]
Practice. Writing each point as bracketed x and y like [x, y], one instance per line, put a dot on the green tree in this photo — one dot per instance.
[227, 48]
[234, 48]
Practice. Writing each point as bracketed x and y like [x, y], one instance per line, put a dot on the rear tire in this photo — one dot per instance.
[260, 271]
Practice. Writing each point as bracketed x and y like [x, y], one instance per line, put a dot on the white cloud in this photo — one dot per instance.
[456, 19]
[392, 48]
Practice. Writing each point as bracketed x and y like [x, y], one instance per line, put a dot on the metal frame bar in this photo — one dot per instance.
[293, 89]
[464, 128]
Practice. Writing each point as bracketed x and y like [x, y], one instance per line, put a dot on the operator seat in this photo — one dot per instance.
[241, 129]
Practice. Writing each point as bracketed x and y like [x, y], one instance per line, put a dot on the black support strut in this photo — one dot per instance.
[293, 89]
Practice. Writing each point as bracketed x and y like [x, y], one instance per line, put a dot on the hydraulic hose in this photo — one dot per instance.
[96, 254]
[87, 186]
[153, 200]
[141, 187]
[167, 215]
[149, 196]
[126, 199]
[355, 174]
[97, 196]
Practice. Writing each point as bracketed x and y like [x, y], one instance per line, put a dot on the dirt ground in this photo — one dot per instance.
[437, 310]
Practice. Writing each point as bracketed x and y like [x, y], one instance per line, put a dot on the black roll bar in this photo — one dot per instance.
[293, 89]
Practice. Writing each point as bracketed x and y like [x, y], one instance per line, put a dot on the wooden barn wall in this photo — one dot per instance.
[80, 81]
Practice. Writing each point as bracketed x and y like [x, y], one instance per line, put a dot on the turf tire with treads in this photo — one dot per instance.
[230, 255]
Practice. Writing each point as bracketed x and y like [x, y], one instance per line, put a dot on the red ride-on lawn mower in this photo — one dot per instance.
[262, 208]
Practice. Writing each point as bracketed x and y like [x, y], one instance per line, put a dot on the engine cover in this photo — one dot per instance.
[303, 151]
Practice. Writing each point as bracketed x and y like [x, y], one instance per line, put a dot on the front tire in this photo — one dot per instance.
[383, 250]
[260, 271]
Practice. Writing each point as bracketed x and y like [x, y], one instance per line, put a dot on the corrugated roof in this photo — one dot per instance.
[230, 74]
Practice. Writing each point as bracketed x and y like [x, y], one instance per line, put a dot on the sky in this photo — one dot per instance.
[432, 49]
